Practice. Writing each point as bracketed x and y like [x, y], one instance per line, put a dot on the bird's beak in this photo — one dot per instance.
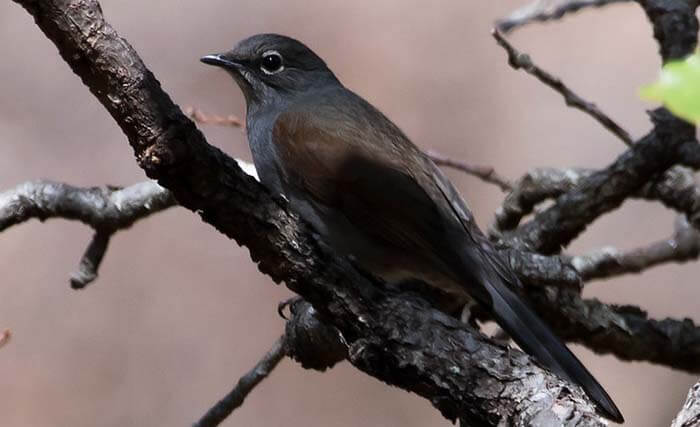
[220, 60]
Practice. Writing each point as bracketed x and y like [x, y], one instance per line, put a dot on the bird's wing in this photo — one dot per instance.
[325, 157]
[392, 192]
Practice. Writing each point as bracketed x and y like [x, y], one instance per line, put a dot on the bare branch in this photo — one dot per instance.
[604, 190]
[623, 330]
[689, 415]
[245, 385]
[106, 210]
[677, 189]
[534, 187]
[683, 246]
[100, 208]
[547, 10]
[5, 337]
[519, 60]
[198, 116]
[396, 338]
[91, 260]
[485, 173]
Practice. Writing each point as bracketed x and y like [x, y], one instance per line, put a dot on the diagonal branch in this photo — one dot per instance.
[395, 338]
[547, 10]
[604, 190]
[5, 337]
[485, 173]
[245, 385]
[689, 415]
[198, 116]
[519, 60]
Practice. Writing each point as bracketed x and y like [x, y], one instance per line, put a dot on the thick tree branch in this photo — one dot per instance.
[547, 10]
[690, 156]
[625, 331]
[604, 190]
[395, 338]
[675, 26]
[677, 189]
[689, 415]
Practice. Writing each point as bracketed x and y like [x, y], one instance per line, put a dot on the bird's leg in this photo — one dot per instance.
[501, 336]
[291, 303]
[467, 316]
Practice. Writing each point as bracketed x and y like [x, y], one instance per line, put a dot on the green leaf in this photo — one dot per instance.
[678, 88]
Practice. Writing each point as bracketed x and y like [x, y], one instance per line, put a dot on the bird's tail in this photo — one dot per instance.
[535, 338]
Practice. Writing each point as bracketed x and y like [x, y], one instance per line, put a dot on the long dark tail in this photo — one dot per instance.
[535, 338]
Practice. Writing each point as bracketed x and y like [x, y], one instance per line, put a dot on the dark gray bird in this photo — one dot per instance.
[373, 195]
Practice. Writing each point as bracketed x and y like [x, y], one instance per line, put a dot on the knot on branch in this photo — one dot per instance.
[312, 343]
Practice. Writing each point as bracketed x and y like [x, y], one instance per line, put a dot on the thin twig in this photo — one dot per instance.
[199, 116]
[246, 384]
[91, 260]
[546, 10]
[5, 337]
[485, 173]
[519, 60]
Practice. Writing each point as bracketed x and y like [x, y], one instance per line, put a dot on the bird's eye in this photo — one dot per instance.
[271, 62]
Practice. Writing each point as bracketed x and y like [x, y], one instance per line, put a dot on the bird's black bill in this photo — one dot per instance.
[219, 61]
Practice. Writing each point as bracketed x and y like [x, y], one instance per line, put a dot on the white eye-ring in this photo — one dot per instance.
[271, 62]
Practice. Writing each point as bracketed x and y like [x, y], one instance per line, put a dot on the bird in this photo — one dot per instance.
[375, 197]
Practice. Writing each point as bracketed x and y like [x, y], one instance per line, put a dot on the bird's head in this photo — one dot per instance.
[269, 66]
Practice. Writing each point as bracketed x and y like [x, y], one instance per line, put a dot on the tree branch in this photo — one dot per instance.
[689, 416]
[396, 338]
[604, 190]
[106, 210]
[198, 116]
[677, 189]
[245, 385]
[675, 26]
[519, 60]
[5, 337]
[683, 246]
[101, 208]
[485, 173]
[623, 330]
[543, 10]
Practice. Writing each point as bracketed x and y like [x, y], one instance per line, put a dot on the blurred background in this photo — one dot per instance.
[179, 312]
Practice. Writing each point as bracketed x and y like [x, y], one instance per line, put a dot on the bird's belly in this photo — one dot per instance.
[392, 265]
